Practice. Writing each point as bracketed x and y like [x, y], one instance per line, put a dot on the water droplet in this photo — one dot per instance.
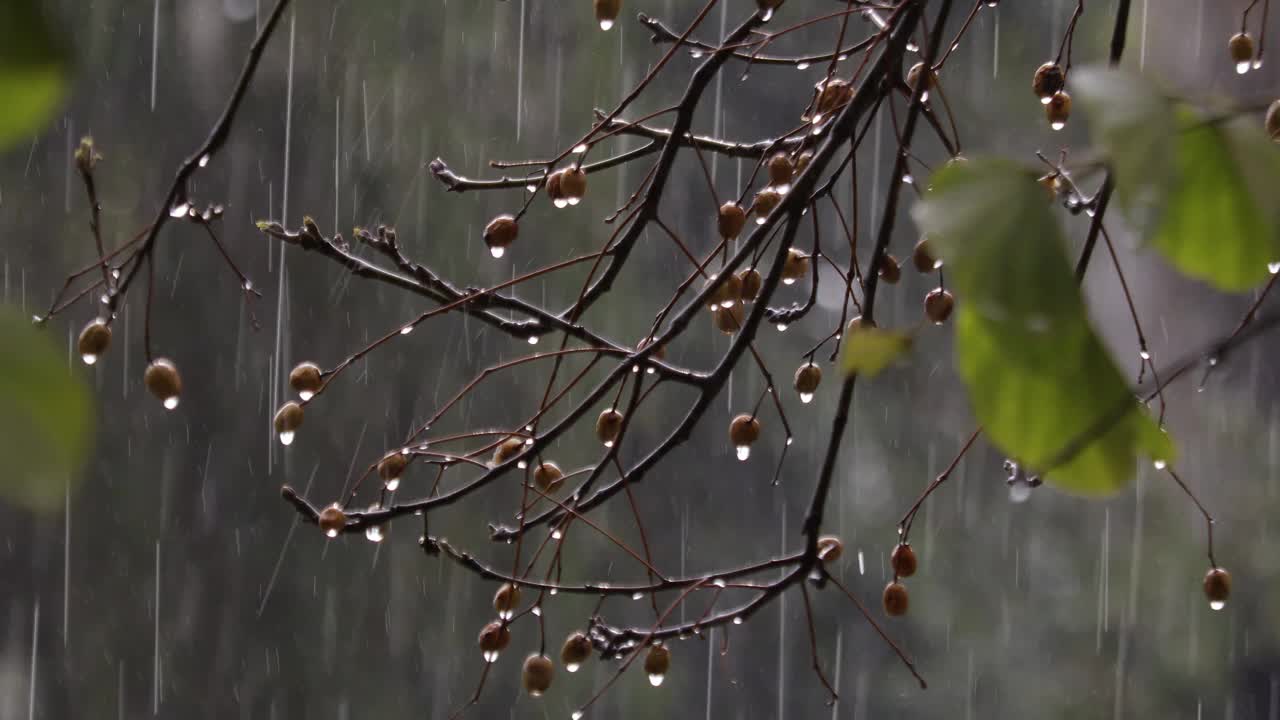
[1045, 100]
[1144, 354]
[655, 679]
[637, 596]
[576, 714]
[204, 160]
[554, 591]
[171, 402]
[1217, 604]
[908, 179]
[331, 533]
[1019, 492]
[802, 66]
[862, 563]
[744, 452]
[373, 533]
[393, 484]
[522, 464]
[286, 437]
[575, 200]
[537, 610]
[924, 96]
[490, 656]
[497, 252]
[697, 54]
[650, 371]
[606, 25]
[180, 210]
[533, 339]
[572, 667]
[765, 16]
[790, 440]
[719, 582]
[806, 398]
[1159, 464]
[788, 281]
[842, 57]
[115, 273]
[531, 188]
[89, 358]
[560, 203]
[728, 303]
[1213, 361]
[556, 534]
[1242, 67]
[104, 299]
[912, 47]
[306, 395]
[737, 620]
[505, 614]
[1058, 125]
[760, 220]
[608, 443]
[1273, 267]
[406, 329]
[782, 327]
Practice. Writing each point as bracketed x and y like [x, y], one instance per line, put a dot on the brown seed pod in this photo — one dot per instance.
[288, 419]
[832, 96]
[573, 184]
[896, 600]
[1273, 121]
[94, 340]
[500, 233]
[332, 519]
[608, 426]
[808, 377]
[1048, 80]
[575, 651]
[751, 281]
[903, 560]
[727, 291]
[803, 161]
[766, 200]
[1217, 587]
[391, 467]
[305, 379]
[938, 305]
[657, 662]
[920, 71]
[730, 220]
[890, 270]
[744, 430]
[507, 450]
[830, 548]
[729, 320]
[607, 12]
[494, 638]
[922, 256]
[1241, 48]
[162, 379]
[548, 476]
[795, 267]
[781, 169]
[505, 600]
[1058, 110]
[538, 669]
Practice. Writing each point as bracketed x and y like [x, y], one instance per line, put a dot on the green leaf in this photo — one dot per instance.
[1193, 187]
[1038, 377]
[868, 350]
[33, 70]
[46, 422]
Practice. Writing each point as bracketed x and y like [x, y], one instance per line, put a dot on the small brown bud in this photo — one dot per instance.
[494, 638]
[896, 600]
[607, 12]
[731, 219]
[922, 257]
[918, 72]
[555, 190]
[729, 320]
[548, 476]
[505, 600]
[744, 430]
[795, 267]
[938, 305]
[162, 379]
[890, 270]
[500, 233]
[832, 96]
[288, 419]
[538, 671]
[807, 378]
[574, 184]
[803, 161]
[903, 560]
[1048, 80]
[781, 169]
[576, 650]
[830, 548]
[766, 200]
[1217, 587]
[305, 379]
[1241, 47]
[656, 663]
[1058, 111]
[751, 283]
[391, 467]
[608, 426]
[507, 450]
[332, 519]
[94, 340]
[727, 292]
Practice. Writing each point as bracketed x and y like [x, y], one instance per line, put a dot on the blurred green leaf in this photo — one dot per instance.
[46, 422]
[1193, 186]
[33, 71]
[1038, 377]
[868, 350]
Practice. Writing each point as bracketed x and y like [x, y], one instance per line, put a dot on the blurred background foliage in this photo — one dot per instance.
[176, 583]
